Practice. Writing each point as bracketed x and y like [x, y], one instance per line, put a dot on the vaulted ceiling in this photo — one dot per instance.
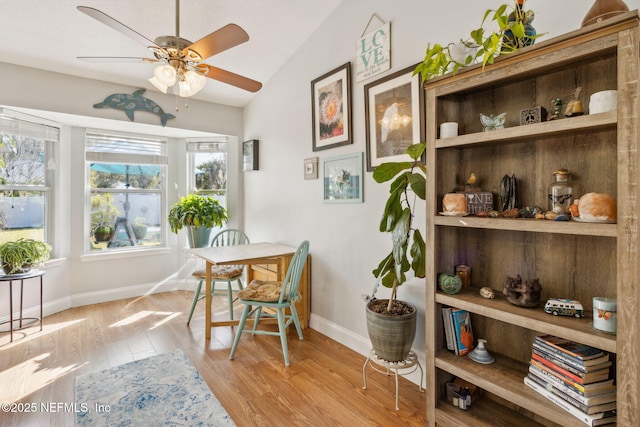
[50, 35]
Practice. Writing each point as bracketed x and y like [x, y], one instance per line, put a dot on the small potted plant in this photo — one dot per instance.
[20, 256]
[514, 31]
[199, 214]
[392, 323]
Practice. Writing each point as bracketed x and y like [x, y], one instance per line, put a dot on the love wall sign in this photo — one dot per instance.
[373, 52]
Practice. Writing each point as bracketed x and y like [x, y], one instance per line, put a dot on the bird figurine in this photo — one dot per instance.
[472, 179]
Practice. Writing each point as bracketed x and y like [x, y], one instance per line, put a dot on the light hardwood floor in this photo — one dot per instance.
[322, 387]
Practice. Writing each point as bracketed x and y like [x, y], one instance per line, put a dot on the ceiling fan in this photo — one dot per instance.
[180, 60]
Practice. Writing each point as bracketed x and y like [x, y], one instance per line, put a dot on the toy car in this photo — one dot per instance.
[564, 307]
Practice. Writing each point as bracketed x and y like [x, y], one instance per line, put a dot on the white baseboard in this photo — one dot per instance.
[88, 298]
[358, 343]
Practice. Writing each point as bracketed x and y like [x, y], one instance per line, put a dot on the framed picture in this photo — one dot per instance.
[311, 168]
[250, 155]
[343, 179]
[331, 108]
[394, 115]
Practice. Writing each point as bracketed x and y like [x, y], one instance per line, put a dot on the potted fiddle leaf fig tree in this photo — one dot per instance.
[391, 323]
[199, 214]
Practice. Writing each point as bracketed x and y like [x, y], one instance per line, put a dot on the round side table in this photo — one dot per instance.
[411, 362]
[23, 322]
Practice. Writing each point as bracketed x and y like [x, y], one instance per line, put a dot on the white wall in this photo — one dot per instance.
[281, 206]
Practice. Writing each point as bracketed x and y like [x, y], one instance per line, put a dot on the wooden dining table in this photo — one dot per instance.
[252, 253]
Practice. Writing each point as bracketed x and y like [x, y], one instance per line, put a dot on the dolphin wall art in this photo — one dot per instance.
[134, 102]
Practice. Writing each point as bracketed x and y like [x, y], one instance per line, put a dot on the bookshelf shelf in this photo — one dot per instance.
[570, 259]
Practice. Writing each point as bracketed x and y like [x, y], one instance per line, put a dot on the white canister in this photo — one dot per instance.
[448, 130]
[601, 102]
[604, 314]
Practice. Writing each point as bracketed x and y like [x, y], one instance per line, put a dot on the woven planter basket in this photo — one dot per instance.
[391, 336]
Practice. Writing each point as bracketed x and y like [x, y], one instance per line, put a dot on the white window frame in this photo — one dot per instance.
[25, 125]
[207, 145]
[103, 156]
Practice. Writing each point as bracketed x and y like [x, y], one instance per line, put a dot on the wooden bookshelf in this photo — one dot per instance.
[571, 259]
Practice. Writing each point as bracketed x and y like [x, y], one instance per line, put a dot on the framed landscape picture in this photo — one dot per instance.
[394, 116]
[343, 179]
[331, 108]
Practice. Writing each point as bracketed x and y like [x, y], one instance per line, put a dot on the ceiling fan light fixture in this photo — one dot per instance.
[158, 85]
[196, 80]
[165, 74]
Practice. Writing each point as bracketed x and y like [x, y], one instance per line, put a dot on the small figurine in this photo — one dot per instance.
[509, 192]
[493, 123]
[480, 353]
[564, 307]
[557, 107]
[574, 106]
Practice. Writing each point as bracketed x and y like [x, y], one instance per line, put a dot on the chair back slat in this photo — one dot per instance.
[230, 237]
[292, 278]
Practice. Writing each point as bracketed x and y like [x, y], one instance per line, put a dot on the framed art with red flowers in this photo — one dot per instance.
[331, 108]
[394, 115]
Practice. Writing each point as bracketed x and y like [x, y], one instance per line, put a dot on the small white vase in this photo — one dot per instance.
[461, 52]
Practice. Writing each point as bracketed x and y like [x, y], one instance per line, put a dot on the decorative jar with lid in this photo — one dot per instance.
[560, 192]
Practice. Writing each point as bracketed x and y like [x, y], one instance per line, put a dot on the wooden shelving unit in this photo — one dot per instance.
[571, 259]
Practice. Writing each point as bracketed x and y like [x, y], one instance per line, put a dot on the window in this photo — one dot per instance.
[26, 178]
[208, 168]
[126, 191]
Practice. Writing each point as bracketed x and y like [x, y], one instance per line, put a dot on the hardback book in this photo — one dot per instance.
[605, 402]
[587, 390]
[448, 328]
[573, 349]
[463, 332]
[597, 419]
[580, 364]
[568, 363]
[581, 378]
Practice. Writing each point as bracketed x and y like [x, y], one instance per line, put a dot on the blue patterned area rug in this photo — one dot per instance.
[163, 390]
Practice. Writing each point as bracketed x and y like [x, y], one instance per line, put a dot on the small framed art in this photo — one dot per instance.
[394, 116]
[331, 108]
[311, 168]
[343, 179]
[250, 155]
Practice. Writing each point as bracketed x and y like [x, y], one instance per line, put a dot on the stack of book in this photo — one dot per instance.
[574, 376]
[457, 328]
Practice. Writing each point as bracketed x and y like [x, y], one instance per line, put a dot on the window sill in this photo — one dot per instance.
[102, 256]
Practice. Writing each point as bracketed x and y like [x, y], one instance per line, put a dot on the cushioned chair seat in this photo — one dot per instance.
[261, 290]
[219, 272]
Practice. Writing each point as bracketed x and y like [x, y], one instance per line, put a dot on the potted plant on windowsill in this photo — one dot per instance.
[391, 323]
[22, 255]
[199, 214]
[514, 31]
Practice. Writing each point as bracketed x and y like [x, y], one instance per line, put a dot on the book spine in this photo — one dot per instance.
[562, 395]
[562, 389]
[446, 319]
[565, 357]
[554, 378]
[563, 363]
[558, 369]
[585, 418]
[563, 351]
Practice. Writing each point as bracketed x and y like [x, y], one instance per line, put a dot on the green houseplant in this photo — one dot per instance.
[514, 32]
[199, 214]
[391, 323]
[21, 255]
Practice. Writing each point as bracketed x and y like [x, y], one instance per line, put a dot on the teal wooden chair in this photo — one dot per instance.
[277, 296]
[221, 273]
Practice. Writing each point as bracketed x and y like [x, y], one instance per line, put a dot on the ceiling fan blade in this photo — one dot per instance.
[220, 40]
[231, 78]
[116, 25]
[104, 59]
